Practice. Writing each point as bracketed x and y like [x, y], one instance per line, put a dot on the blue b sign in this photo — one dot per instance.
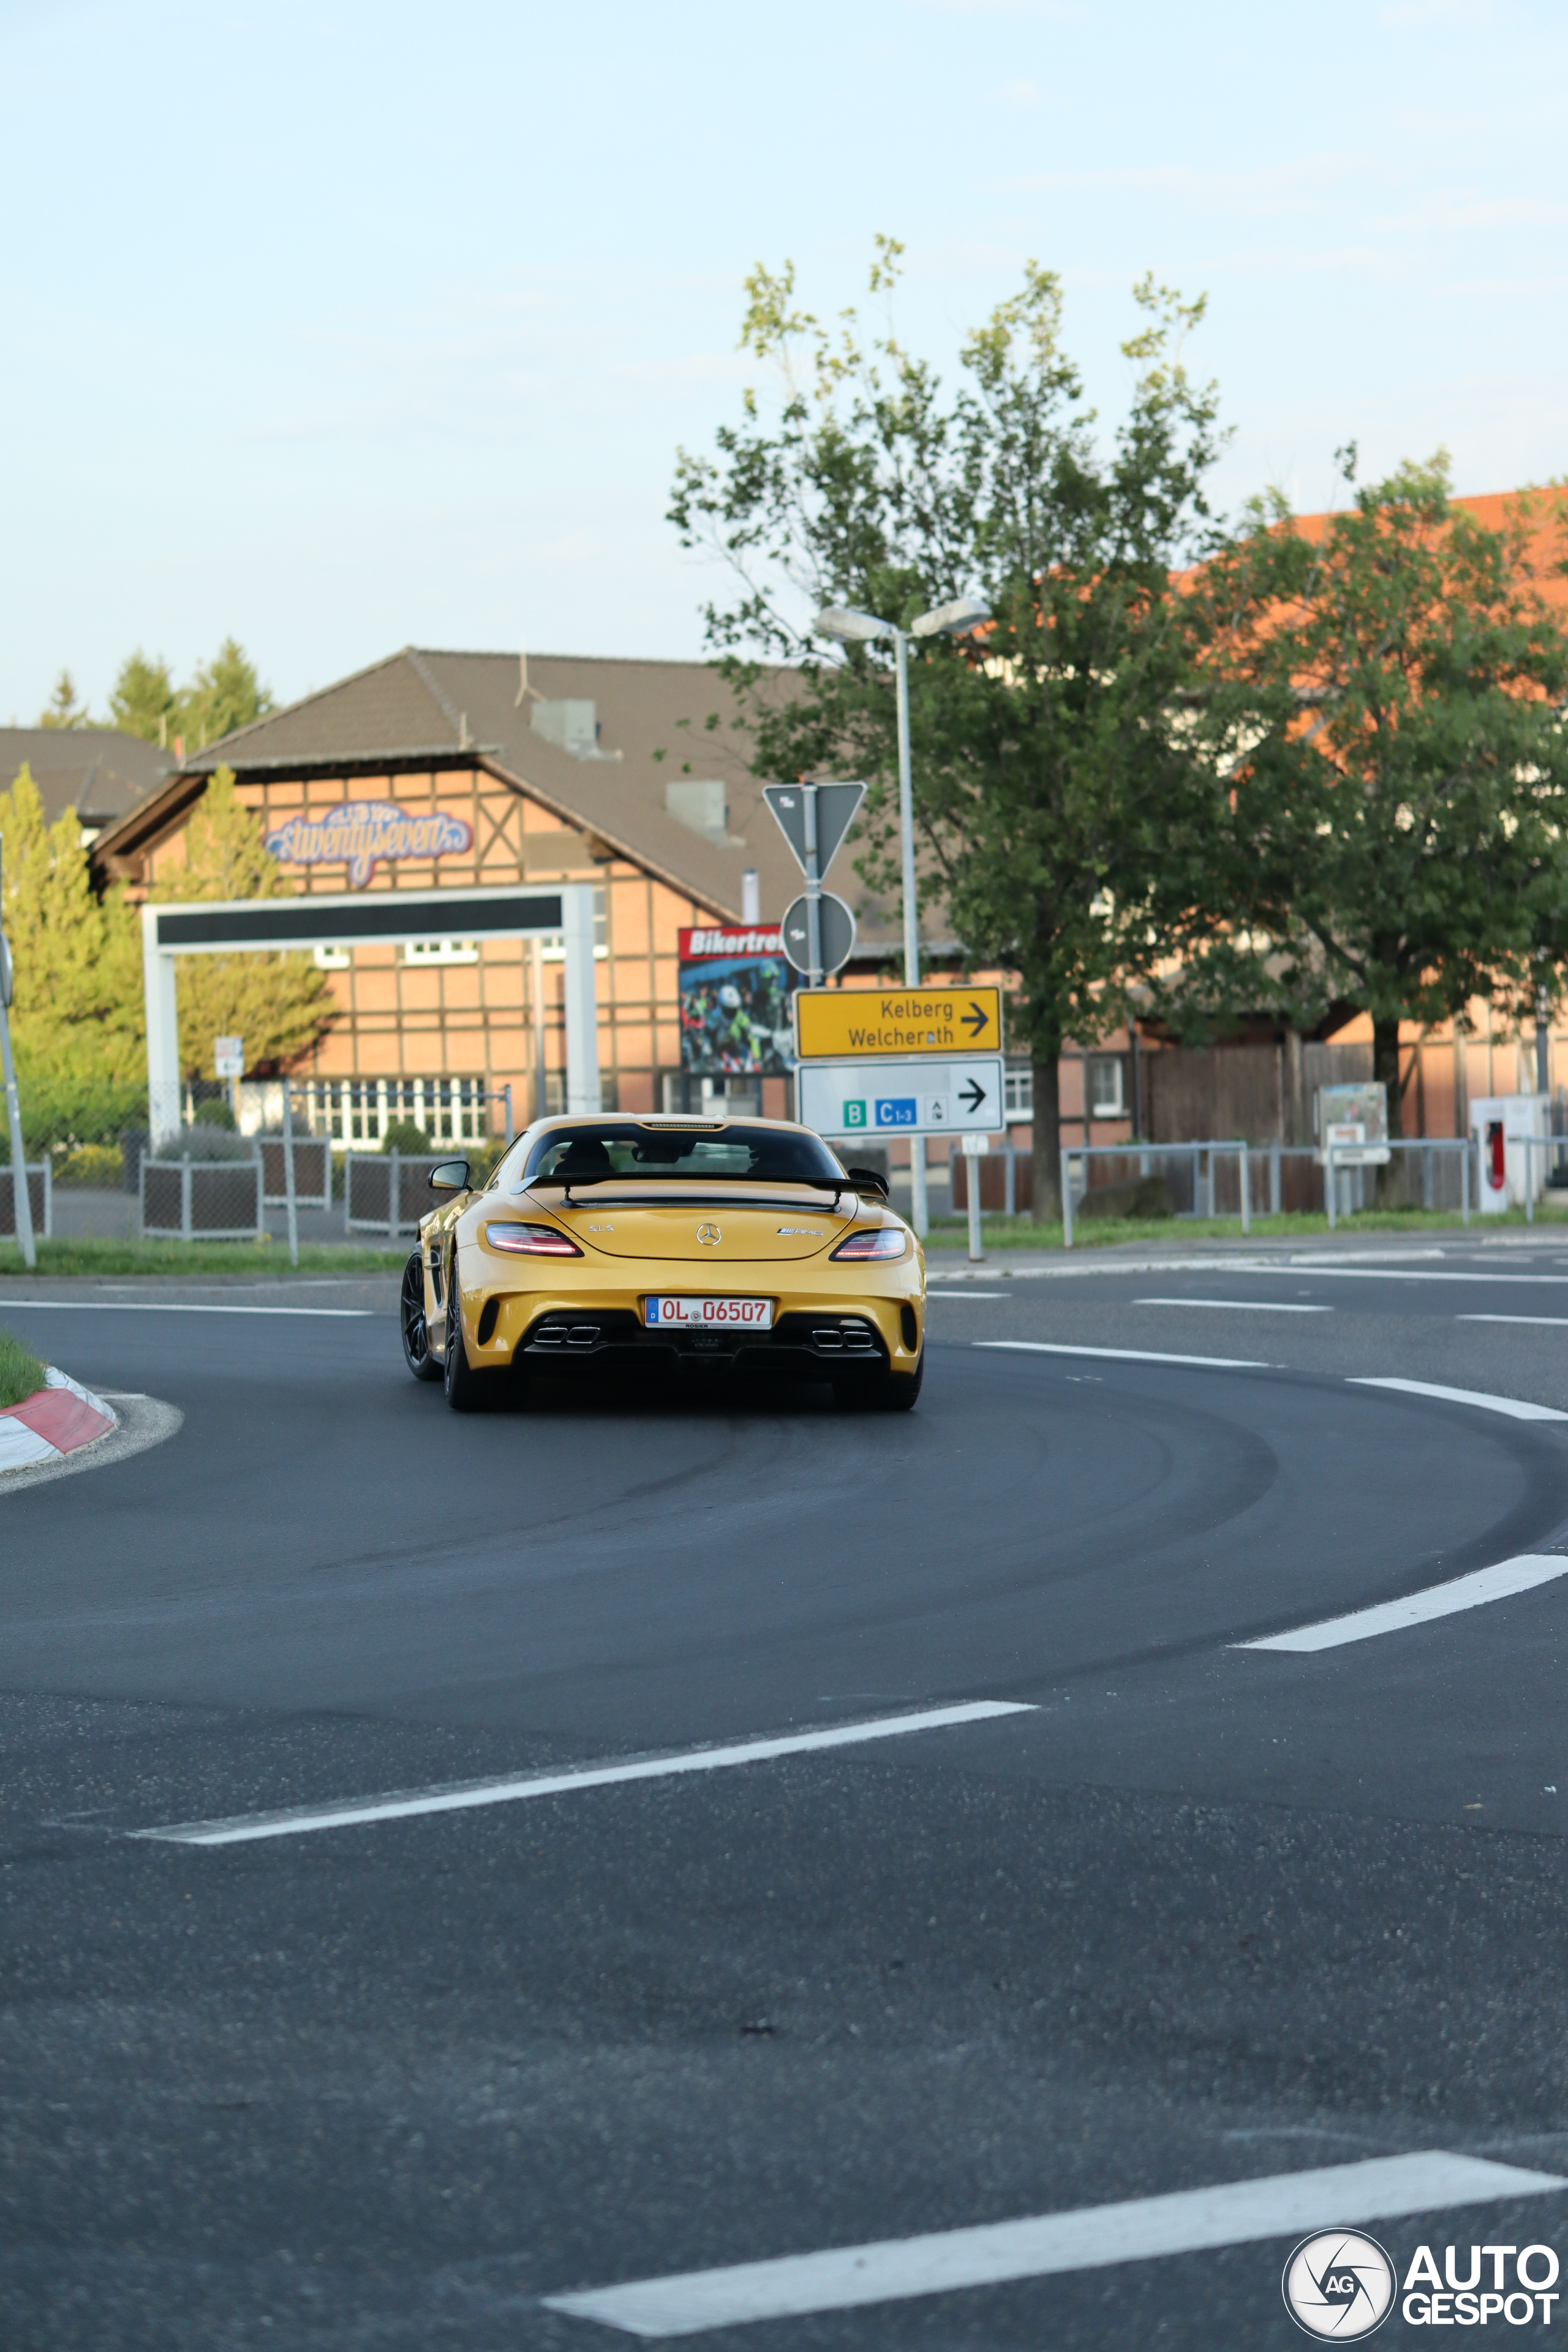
[899, 1110]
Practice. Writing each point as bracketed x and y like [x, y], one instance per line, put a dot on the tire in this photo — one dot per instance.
[411, 1316]
[467, 1391]
[888, 1392]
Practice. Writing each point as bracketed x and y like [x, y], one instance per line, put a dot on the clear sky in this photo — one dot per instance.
[339, 326]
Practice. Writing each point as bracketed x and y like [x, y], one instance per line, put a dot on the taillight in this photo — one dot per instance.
[877, 1241]
[532, 1241]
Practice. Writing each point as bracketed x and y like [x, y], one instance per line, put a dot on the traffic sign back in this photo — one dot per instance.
[834, 1023]
[835, 807]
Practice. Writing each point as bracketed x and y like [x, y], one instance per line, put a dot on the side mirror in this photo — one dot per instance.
[449, 1176]
[865, 1180]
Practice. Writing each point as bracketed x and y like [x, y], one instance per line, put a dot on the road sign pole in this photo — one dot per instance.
[919, 1208]
[21, 1201]
[813, 889]
[291, 1197]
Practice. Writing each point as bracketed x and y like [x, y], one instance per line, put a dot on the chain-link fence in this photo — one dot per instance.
[197, 1199]
[1225, 1178]
[388, 1192]
[40, 1200]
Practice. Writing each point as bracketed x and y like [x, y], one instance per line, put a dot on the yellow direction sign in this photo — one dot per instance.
[836, 1024]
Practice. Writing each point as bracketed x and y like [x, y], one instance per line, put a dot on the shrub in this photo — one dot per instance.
[99, 1165]
[402, 1135]
[217, 1112]
[21, 1374]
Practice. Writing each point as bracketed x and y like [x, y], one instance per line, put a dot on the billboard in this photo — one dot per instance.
[736, 1014]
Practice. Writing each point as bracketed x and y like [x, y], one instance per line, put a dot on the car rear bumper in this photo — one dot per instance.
[823, 1344]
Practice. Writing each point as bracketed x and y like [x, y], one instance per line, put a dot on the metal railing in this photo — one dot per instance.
[1426, 1166]
[202, 1200]
[358, 1111]
[388, 1192]
[41, 1199]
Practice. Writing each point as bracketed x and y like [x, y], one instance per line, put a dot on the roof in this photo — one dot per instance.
[658, 724]
[96, 770]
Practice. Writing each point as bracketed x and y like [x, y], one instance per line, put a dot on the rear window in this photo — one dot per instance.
[588, 1153]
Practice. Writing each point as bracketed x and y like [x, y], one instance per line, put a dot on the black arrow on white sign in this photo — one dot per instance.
[972, 1095]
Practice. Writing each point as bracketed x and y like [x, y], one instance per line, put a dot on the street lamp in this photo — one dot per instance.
[848, 628]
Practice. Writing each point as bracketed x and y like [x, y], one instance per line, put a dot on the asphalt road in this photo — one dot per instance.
[1194, 1915]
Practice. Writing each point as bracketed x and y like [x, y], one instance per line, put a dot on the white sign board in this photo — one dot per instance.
[931, 1096]
[228, 1056]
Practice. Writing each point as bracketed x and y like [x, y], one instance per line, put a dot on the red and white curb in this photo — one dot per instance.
[54, 1422]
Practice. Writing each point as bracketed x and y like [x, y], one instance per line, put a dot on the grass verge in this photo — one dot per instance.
[90, 1255]
[1104, 1233]
[21, 1374]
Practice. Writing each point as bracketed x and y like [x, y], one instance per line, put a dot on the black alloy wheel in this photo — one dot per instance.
[465, 1389]
[883, 1393]
[411, 1316]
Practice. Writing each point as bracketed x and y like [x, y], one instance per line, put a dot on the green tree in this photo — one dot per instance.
[143, 700]
[1400, 777]
[281, 1005]
[224, 693]
[76, 1022]
[1063, 799]
[63, 710]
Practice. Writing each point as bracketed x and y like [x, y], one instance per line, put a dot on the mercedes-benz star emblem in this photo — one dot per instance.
[709, 1235]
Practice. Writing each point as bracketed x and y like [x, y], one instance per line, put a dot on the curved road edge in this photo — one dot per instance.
[140, 1421]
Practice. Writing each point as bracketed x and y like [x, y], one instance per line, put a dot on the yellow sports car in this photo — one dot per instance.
[688, 1244]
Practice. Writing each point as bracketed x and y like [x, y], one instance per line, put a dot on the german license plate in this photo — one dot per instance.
[710, 1314]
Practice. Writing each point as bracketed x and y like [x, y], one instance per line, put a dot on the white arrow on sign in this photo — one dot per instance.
[936, 1096]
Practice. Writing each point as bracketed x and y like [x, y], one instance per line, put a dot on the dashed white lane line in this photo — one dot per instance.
[1127, 1355]
[167, 1306]
[299, 1820]
[966, 1294]
[1559, 1322]
[162, 1307]
[1142, 2229]
[1514, 1407]
[1509, 1576]
[1240, 1306]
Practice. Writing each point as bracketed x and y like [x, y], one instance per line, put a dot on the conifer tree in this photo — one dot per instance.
[76, 1020]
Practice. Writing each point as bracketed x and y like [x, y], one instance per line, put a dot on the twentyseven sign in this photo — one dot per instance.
[360, 834]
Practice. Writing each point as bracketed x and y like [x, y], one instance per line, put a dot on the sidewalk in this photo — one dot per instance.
[951, 1263]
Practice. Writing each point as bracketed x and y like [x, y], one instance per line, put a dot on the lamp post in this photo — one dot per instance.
[848, 628]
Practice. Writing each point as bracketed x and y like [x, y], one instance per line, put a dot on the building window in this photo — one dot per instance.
[1107, 1094]
[1020, 1085]
[332, 958]
[555, 952]
[440, 951]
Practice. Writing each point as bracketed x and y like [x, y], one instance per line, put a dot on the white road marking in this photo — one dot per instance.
[1142, 2229]
[1559, 1322]
[1514, 1407]
[971, 1293]
[1509, 1576]
[168, 1306]
[300, 1820]
[1127, 1355]
[1405, 1274]
[1240, 1306]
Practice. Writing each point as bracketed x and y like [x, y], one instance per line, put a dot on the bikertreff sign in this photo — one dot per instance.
[361, 835]
[734, 984]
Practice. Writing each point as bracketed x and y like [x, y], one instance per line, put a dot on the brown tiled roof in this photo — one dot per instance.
[97, 770]
[658, 723]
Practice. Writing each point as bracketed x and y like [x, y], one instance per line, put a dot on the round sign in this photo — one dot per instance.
[837, 933]
[1340, 2283]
